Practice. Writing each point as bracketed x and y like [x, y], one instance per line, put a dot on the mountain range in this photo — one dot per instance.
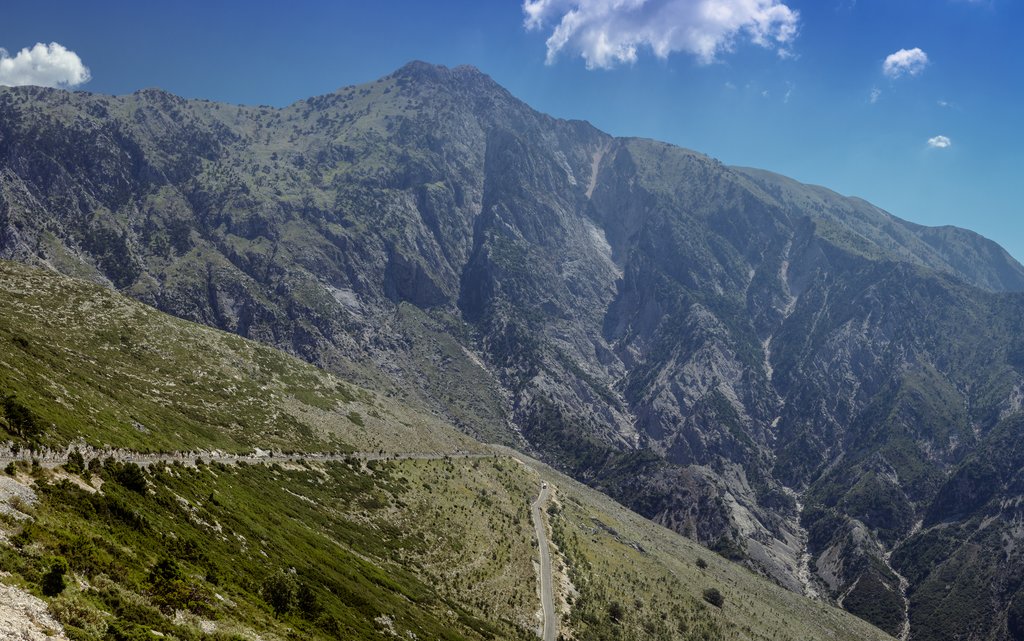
[798, 380]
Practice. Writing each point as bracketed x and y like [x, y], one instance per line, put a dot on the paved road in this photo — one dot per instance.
[546, 596]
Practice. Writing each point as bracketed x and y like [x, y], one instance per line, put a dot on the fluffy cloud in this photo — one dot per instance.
[909, 62]
[939, 142]
[609, 32]
[49, 65]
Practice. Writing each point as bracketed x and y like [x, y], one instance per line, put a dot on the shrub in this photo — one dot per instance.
[86, 557]
[127, 631]
[212, 576]
[21, 420]
[128, 475]
[76, 611]
[279, 591]
[616, 611]
[53, 580]
[307, 602]
[702, 564]
[714, 597]
[329, 624]
[171, 590]
[76, 462]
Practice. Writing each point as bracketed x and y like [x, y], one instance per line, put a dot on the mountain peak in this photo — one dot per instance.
[421, 71]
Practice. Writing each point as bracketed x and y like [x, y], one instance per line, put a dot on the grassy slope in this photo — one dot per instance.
[438, 548]
[99, 367]
[656, 575]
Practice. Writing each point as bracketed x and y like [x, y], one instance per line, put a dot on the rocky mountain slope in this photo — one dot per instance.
[162, 519]
[795, 378]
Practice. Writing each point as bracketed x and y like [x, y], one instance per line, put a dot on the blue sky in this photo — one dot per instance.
[798, 102]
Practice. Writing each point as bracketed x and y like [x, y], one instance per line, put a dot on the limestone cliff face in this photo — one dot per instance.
[795, 378]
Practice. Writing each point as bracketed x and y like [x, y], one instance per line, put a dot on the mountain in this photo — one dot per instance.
[169, 521]
[800, 380]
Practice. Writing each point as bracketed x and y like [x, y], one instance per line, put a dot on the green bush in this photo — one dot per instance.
[128, 475]
[307, 602]
[171, 590]
[616, 611]
[75, 611]
[76, 462]
[280, 591]
[714, 597]
[127, 631]
[86, 557]
[21, 420]
[53, 580]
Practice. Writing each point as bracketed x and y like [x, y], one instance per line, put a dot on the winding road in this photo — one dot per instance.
[546, 592]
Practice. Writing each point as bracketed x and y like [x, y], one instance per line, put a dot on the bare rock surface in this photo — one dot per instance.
[24, 617]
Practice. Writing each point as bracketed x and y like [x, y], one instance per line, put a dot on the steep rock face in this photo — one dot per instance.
[795, 378]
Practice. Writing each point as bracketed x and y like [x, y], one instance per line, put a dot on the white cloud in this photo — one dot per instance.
[610, 32]
[49, 65]
[909, 62]
[876, 93]
[940, 142]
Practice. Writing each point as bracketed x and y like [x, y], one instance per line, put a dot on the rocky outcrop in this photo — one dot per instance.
[25, 617]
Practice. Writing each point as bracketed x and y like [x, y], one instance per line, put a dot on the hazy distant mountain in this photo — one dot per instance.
[712, 346]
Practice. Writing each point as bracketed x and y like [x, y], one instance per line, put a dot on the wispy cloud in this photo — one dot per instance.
[50, 65]
[875, 94]
[940, 142]
[606, 33]
[905, 62]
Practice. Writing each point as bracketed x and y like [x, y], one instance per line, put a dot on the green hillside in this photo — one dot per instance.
[432, 542]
